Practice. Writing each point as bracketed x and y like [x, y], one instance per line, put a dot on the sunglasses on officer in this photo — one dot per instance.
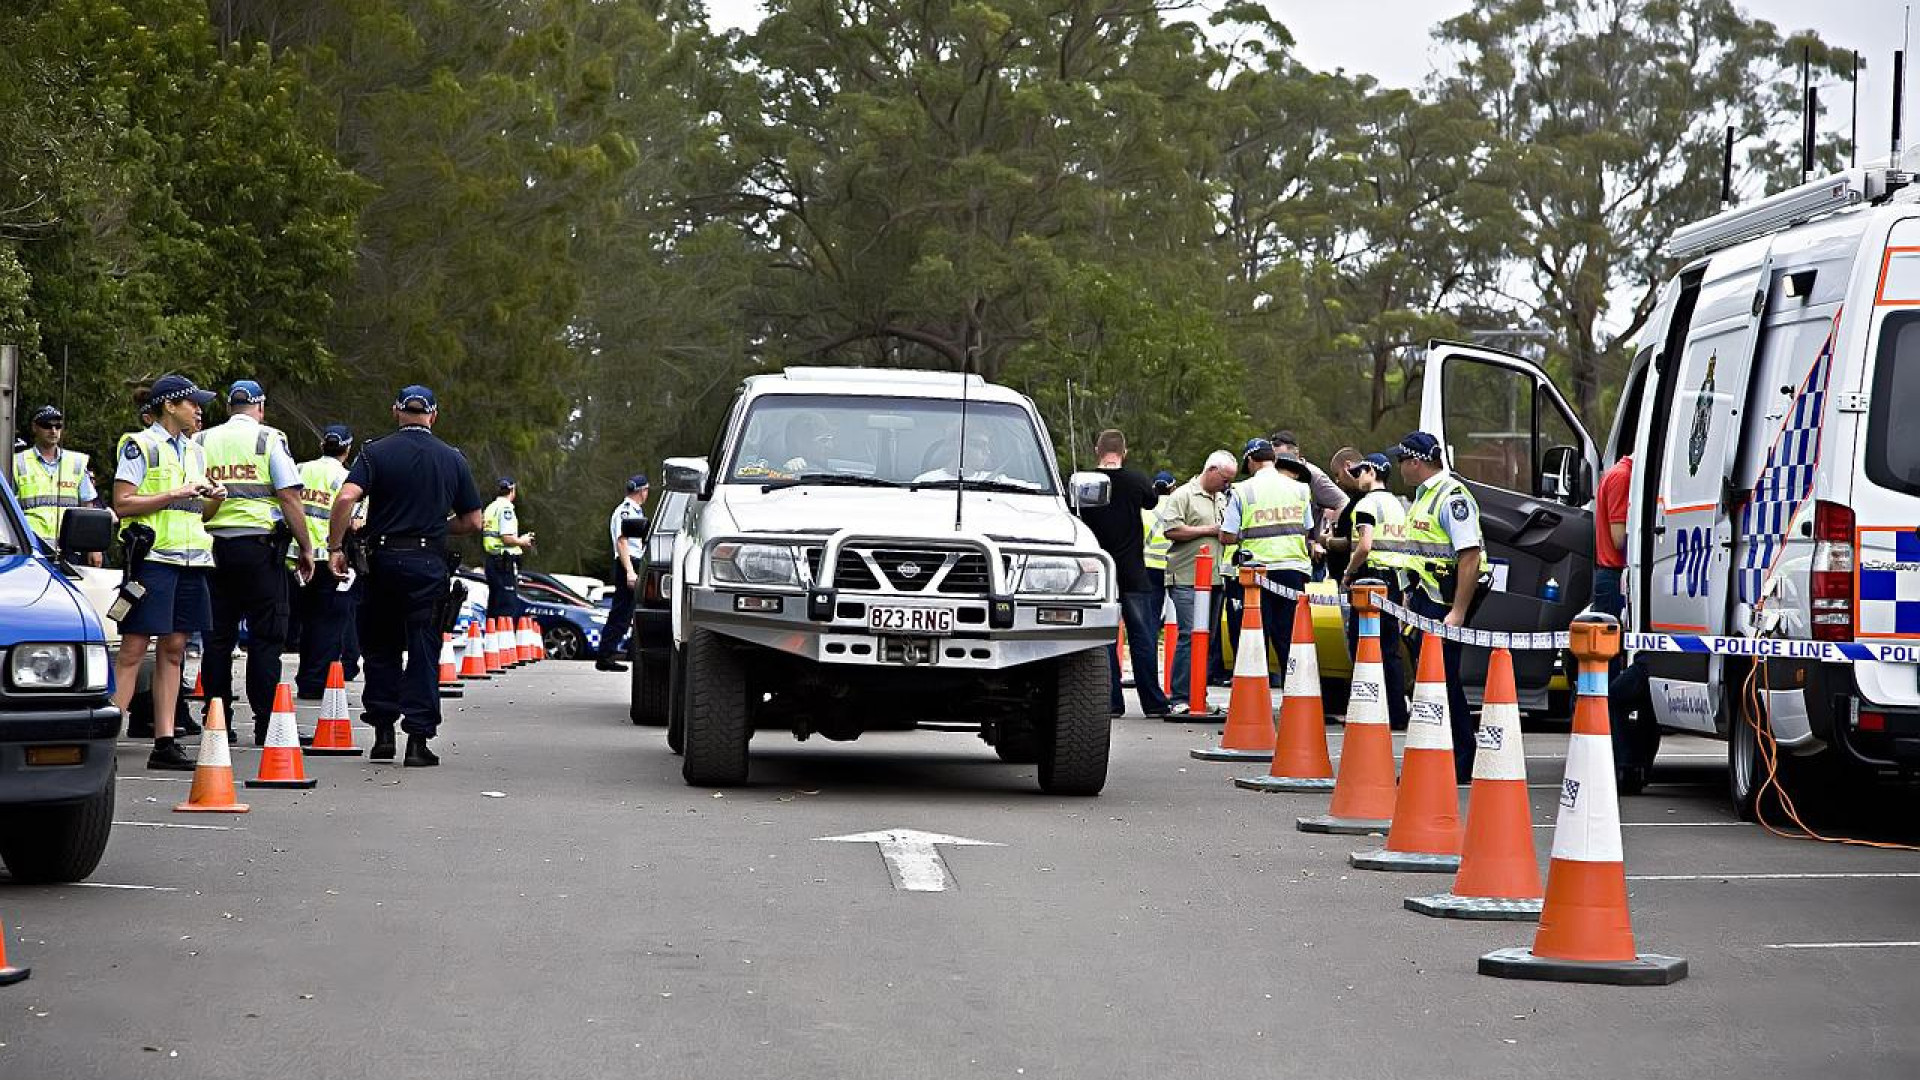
[50, 425]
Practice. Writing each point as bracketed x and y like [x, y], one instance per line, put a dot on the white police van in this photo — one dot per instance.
[1774, 494]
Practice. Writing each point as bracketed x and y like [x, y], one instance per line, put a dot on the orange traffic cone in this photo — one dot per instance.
[281, 765]
[1425, 836]
[523, 640]
[1169, 639]
[1200, 637]
[539, 639]
[473, 663]
[1126, 662]
[212, 790]
[1363, 793]
[1499, 873]
[1586, 932]
[496, 642]
[8, 973]
[1249, 732]
[1300, 758]
[334, 735]
[449, 670]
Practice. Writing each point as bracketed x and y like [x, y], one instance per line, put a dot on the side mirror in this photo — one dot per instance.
[85, 530]
[1563, 476]
[633, 528]
[686, 474]
[1089, 490]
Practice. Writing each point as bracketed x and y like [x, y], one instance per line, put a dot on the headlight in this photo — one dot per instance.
[1061, 575]
[756, 564]
[43, 667]
[98, 668]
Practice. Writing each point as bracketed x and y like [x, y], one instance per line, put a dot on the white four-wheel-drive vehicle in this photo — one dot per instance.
[880, 550]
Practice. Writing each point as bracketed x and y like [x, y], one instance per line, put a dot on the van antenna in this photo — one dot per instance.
[960, 452]
[1726, 172]
[1853, 117]
[1808, 103]
[1899, 93]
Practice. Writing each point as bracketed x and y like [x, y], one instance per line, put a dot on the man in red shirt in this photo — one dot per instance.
[1609, 537]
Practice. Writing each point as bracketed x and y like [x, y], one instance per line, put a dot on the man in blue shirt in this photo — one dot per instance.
[420, 490]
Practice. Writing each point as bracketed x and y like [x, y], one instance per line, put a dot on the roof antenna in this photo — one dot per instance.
[1726, 172]
[1899, 95]
[960, 452]
[1809, 106]
[1853, 117]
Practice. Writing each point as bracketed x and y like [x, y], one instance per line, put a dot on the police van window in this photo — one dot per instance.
[1894, 462]
[1490, 424]
[1555, 429]
[896, 440]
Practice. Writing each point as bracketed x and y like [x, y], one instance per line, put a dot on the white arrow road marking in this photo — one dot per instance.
[913, 857]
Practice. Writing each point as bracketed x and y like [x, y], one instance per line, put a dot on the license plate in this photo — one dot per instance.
[909, 620]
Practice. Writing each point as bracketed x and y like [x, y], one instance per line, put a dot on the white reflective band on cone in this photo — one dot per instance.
[446, 652]
[281, 730]
[1250, 657]
[213, 751]
[1427, 724]
[1498, 755]
[333, 703]
[1366, 704]
[1588, 828]
[1303, 671]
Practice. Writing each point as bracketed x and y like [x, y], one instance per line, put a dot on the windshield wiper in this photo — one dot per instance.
[981, 485]
[829, 480]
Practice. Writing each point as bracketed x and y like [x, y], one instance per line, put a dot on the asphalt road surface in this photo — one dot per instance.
[597, 918]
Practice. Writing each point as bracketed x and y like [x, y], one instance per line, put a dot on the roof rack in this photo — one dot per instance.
[1791, 207]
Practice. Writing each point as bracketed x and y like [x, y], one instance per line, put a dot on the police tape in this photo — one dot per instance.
[1827, 652]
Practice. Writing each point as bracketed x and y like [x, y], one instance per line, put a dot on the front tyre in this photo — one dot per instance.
[1076, 730]
[716, 713]
[650, 690]
[563, 642]
[56, 844]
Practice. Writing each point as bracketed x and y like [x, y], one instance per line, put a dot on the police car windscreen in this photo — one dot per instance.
[12, 537]
[1893, 455]
[895, 440]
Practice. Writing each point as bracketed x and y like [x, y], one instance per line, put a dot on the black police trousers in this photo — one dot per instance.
[400, 639]
[503, 587]
[249, 582]
[324, 612]
[620, 617]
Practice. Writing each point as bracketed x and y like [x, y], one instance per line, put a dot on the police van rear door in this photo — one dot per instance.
[1501, 419]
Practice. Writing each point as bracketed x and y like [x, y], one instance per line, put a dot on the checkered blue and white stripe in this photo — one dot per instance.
[1890, 591]
[1786, 479]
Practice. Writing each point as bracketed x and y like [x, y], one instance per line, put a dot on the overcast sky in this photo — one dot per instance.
[1392, 41]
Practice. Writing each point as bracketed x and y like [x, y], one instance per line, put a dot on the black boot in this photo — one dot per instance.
[382, 743]
[168, 756]
[418, 754]
[609, 664]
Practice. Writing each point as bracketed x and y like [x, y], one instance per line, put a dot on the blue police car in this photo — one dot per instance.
[57, 720]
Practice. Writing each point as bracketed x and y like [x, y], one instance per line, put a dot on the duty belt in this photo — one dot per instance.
[405, 543]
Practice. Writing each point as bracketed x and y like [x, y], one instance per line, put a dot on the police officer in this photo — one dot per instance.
[503, 543]
[250, 531]
[414, 482]
[324, 604]
[49, 478]
[1443, 536]
[1191, 519]
[629, 559]
[1267, 515]
[161, 483]
[1154, 554]
[1381, 552]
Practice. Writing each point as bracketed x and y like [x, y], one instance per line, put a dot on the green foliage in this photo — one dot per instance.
[583, 221]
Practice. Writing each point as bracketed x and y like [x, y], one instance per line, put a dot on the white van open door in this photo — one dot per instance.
[1512, 438]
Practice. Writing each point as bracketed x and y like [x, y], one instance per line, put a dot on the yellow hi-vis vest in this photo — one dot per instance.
[320, 482]
[1157, 543]
[498, 521]
[180, 538]
[1390, 550]
[47, 496]
[239, 458]
[1274, 511]
[1428, 543]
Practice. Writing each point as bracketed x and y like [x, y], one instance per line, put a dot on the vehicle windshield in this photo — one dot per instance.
[891, 442]
[13, 539]
[1893, 461]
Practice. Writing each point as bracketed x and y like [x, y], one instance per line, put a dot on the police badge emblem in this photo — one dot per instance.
[1702, 419]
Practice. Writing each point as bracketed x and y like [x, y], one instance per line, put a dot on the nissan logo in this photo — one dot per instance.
[909, 570]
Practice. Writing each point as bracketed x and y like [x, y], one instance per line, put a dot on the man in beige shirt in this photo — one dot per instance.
[1191, 521]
